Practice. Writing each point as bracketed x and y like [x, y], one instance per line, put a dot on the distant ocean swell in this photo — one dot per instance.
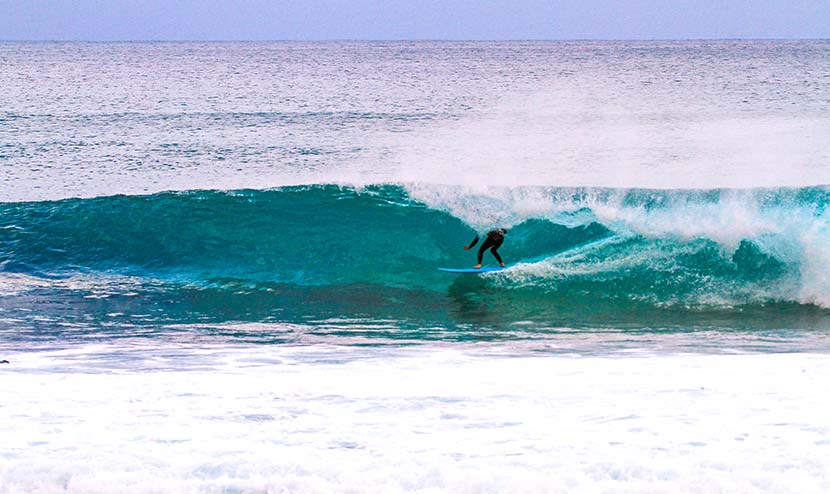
[690, 249]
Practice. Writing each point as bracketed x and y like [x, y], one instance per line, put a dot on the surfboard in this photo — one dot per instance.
[469, 270]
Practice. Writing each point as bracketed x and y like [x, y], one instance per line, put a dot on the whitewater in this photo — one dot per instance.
[218, 267]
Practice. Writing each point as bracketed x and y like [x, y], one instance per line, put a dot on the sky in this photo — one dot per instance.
[257, 20]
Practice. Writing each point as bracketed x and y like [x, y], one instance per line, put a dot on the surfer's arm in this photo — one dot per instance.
[475, 241]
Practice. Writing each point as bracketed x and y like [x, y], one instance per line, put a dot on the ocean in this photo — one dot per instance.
[218, 267]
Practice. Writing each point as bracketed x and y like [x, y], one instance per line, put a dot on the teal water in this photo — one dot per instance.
[594, 260]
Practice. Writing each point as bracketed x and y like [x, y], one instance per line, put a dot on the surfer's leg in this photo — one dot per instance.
[484, 246]
[496, 255]
[495, 250]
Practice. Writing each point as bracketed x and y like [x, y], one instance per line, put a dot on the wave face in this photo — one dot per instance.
[327, 251]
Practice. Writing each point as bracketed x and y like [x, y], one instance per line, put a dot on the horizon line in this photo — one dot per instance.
[411, 40]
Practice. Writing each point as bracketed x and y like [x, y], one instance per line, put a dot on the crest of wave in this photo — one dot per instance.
[788, 226]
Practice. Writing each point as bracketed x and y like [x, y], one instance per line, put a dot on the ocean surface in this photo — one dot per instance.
[218, 267]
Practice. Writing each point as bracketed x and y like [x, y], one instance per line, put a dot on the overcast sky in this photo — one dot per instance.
[101, 20]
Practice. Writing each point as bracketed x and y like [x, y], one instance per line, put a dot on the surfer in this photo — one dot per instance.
[493, 241]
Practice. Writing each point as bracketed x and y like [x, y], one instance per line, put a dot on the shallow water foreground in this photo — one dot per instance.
[430, 418]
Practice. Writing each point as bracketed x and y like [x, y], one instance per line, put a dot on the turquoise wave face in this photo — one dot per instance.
[307, 236]
[300, 253]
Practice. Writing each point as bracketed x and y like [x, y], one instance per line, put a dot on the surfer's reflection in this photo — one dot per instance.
[474, 300]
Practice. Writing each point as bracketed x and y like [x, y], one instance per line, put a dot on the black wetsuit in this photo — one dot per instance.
[493, 241]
